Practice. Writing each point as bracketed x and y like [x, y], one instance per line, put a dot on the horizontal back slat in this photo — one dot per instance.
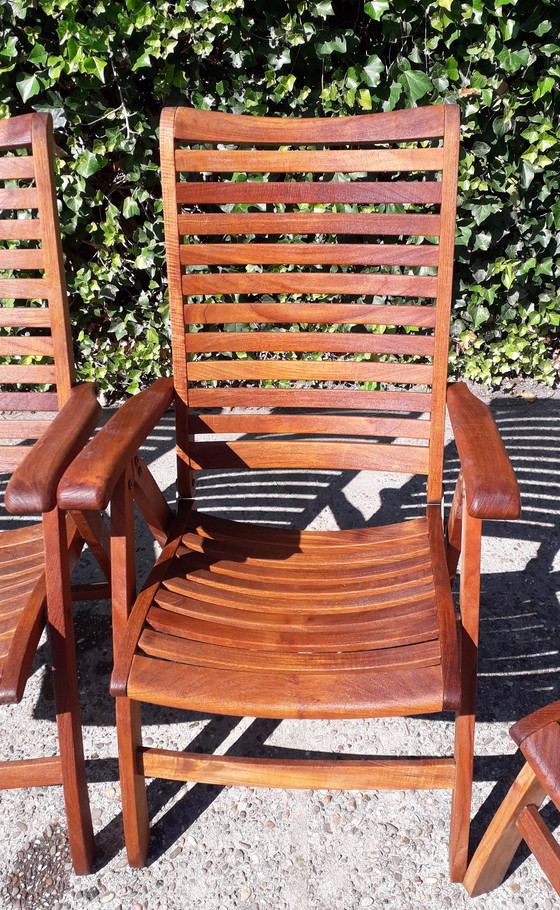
[28, 401]
[22, 345]
[23, 288]
[11, 457]
[303, 223]
[24, 198]
[18, 167]
[348, 161]
[347, 342]
[20, 229]
[305, 254]
[23, 429]
[355, 192]
[354, 314]
[26, 373]
[414, 402]
[339, 424]
[395, 126]
[275, 164]
[24, 316]
[308, 454]
[22, 259]
[311, 283]
[311, 370]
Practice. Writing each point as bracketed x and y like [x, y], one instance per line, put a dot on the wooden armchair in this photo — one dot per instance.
[240, 619]
[35, 561]
[538, 737]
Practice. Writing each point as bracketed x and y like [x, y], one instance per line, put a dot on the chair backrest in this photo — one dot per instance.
[36, 363]
[363, 348]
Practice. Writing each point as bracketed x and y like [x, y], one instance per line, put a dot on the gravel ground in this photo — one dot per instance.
[216, 848]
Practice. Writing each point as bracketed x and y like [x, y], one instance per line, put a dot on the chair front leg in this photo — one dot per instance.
[469, 599]
[129, 733]
[65, 683]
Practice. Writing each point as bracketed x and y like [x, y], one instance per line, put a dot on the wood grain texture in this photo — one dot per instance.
[495, 852]
[396, 126]
[533, 722]
[411, 254]
[344, 313]
[415, 402]
[310, 283]
[541, 843]
[340, 425]
[383, 774]
[343, 343]
[491, 488]
[316, 161]
[340, 370]
[325, 191]
[30, 772]
[310, 223]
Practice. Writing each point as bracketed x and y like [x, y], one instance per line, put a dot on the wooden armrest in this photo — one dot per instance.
[534, 722]
[491, 489]
[32, 488]
[90, 480]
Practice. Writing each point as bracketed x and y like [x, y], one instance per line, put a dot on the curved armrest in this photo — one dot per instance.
[491, 489]
[33, 484]
[90, 480]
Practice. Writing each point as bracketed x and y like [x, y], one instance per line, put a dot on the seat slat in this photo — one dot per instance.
[417, 402]
[310, 223]
[309, 599]
[20, 198]
[22, 259]
[341, 425]
[25, 316]
[169, 647]
[413, 374]
[345, 161]
[411, 254]
[350, 192]
[20, 228]
[342, 343]
[284, 695]
[355, 456]
[18, 167]
[324, 635]
[344, 313]
[22, 345]
[310, 283]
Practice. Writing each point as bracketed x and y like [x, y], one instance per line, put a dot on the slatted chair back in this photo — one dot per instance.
[339, 230]
[36, 362]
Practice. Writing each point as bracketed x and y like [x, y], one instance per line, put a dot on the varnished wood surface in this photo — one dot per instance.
[541, 843]
[491, 488]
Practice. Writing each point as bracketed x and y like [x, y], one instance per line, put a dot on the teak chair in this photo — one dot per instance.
[240, 619]
[35, 561]
[538, 737]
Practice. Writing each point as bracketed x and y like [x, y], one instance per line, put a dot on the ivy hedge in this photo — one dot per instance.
[105, 69]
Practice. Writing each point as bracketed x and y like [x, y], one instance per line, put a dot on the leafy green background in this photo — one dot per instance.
[105, 69]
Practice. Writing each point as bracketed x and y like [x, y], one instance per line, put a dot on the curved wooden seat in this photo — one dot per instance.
[255, 611]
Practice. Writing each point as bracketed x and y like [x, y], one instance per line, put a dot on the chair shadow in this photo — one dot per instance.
[519, 609]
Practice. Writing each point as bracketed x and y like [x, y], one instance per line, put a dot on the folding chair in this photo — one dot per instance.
[35, 560]
[240, 619]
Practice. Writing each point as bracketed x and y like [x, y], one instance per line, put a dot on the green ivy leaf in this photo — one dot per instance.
[377, 8]
[88, 163]
[416, 84]
[372, 70]
[28, 86]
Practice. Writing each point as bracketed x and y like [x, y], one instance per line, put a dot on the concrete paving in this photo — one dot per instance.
[216, 848]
